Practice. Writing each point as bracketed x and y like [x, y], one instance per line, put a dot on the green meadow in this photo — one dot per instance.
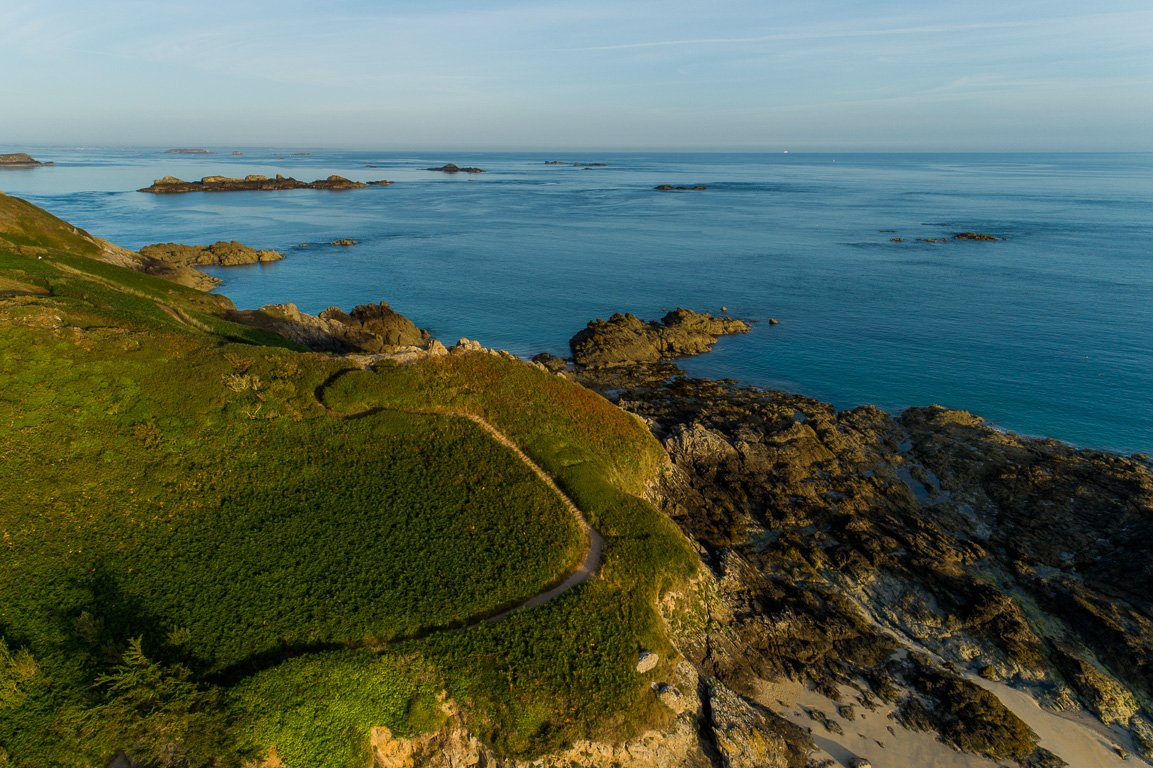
[214, 543]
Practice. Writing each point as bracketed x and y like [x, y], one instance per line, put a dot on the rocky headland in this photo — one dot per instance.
[170, 185]
[20, 160]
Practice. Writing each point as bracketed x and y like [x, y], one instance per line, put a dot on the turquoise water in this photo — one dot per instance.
[1048, 331]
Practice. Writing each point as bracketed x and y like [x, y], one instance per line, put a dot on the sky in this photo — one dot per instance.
[727, 75]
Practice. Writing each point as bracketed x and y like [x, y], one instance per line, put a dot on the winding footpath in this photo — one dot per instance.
[594, 542]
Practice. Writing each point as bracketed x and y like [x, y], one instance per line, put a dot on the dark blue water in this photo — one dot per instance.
[1048, 331]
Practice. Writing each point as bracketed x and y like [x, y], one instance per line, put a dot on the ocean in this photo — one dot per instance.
[1047, 331]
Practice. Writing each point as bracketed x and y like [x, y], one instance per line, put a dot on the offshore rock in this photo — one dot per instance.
[454, 168]
[170, 185]
[625, 339]
[220, 252]
[973, 236]
[20, 160]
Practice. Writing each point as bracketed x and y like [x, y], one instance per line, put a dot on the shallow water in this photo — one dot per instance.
[1048, 331]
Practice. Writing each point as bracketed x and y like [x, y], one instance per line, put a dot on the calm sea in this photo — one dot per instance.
[1048, 331]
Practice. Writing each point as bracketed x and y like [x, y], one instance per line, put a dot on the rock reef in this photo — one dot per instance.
[625, 339]
[171, 185]
[670, 187]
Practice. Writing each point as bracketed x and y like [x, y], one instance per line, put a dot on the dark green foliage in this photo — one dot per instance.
[157, 713]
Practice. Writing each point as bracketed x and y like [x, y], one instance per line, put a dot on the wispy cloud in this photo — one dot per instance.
[813, 35]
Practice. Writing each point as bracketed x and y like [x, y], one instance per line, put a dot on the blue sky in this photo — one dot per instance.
[823, 75]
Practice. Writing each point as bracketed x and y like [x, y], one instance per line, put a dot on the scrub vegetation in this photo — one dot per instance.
[214, 543]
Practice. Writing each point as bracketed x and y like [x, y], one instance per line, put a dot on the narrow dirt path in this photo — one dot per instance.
[594, 542]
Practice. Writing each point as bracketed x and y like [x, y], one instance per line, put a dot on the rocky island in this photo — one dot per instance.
[170, 185]
[20, 160]
[454, 168]
[667, 187]
[188, 152]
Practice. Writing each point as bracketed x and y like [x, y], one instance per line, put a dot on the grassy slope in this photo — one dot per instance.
[160, 480]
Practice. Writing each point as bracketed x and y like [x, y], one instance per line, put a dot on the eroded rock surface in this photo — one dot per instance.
[900, 557]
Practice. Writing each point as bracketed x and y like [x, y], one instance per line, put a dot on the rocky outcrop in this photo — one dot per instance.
[219, 253]
[454, 168]
[170, 185]
[175, 262]
[20, 160]
[369, 328]
[894, 560]
[667, 187]
[973, 236]
[625, 339]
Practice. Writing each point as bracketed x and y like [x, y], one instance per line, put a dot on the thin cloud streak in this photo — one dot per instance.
[786, 37]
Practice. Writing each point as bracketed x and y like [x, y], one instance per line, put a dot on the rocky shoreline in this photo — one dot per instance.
[877, 590]
[907, 564]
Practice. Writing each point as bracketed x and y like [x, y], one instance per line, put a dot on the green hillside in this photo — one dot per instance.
[215, 542]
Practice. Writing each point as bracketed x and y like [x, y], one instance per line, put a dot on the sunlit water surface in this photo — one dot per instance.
[1048, 331]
